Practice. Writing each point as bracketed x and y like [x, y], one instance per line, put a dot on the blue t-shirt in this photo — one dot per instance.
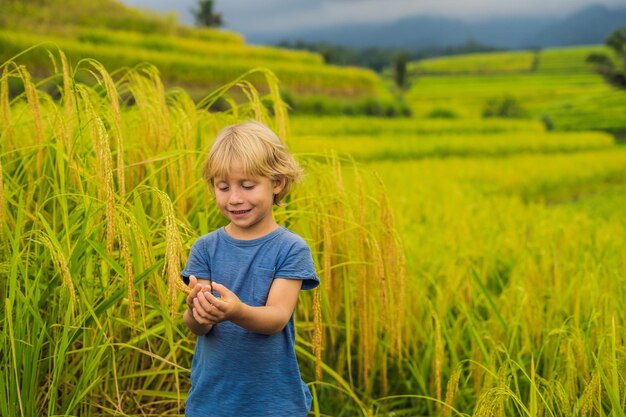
[236, 372]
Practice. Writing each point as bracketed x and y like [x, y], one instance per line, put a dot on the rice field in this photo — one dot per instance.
[558, 86]
[469, 267]
[515, 257]
[560, 60]
[467, 95]
[188, 69]
[100, 200]
[483, 63]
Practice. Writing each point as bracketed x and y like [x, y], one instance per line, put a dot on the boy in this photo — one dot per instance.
[245, 363]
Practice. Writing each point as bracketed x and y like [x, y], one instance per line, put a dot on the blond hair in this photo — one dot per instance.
[260, 152]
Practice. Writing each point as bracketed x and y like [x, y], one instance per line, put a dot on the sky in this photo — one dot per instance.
[258, 17]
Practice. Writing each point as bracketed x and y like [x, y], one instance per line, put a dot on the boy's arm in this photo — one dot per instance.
[268, 319]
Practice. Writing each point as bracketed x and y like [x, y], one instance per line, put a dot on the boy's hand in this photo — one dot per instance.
[194, 287]
[199, 312]
[220, 309]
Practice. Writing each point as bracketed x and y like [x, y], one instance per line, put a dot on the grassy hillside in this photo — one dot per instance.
[555, 85]
[197, 59]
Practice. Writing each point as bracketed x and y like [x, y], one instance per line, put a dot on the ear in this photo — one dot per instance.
[279, 184]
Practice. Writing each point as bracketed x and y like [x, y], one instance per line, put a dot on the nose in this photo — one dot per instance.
[235, 197]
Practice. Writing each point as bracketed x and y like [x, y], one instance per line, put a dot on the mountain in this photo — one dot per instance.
[590, 25]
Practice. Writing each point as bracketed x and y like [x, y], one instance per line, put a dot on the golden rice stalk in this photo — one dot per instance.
[327, 253]
[128, 272]
[488, 402]
[33, 103]
[106, 160]
[116, 126]
[379, 268]
[502, 383]
[280, 108]
[5, 107]
[260, 112]
[2, 206]
[400, 305]
[140, 240]
[438, 356]
[589, 394]
[173, 251]
[360, 309]
[369, 333]
[149, 94]
[318, 332]
[60, 262]
[185, 123]
[104, 173]
[395, 268]
[451, 389]
[69, 102]
[234, 107]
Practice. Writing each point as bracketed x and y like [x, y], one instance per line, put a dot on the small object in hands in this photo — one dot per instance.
[185, 279]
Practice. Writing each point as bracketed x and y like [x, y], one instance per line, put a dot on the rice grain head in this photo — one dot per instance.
[438, 356]
[2, 208]
[128, 272]
[173, 251]
[451, 389]
[5, 107]
[107, 170]
[116, 126]
[69, 103]
[281, 116]
[318, 332]
[60, 262]
[33, 104]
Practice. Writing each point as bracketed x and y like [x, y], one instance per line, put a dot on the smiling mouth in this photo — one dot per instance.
[240, 211]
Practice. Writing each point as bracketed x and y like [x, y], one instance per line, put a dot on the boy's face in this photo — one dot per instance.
[247, 203]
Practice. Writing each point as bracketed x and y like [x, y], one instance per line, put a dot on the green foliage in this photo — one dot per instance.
[400, 70]
[327, 106]
[442, 113]
[205, 15]
[613, 70]
[507, 107]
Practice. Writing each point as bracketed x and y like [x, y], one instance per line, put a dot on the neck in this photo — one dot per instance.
[244, 234]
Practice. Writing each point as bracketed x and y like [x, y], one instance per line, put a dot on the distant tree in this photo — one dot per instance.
[400, 70]
[205, 16]
[613, 70]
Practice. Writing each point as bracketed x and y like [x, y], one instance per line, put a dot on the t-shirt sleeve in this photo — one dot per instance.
[197, 263]
[298, 264]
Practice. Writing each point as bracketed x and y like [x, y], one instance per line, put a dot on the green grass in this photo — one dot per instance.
[377, 126]
[483, 63]
[569, 60]
[467, 96]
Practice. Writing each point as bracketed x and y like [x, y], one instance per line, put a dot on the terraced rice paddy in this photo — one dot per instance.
[470, 267]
